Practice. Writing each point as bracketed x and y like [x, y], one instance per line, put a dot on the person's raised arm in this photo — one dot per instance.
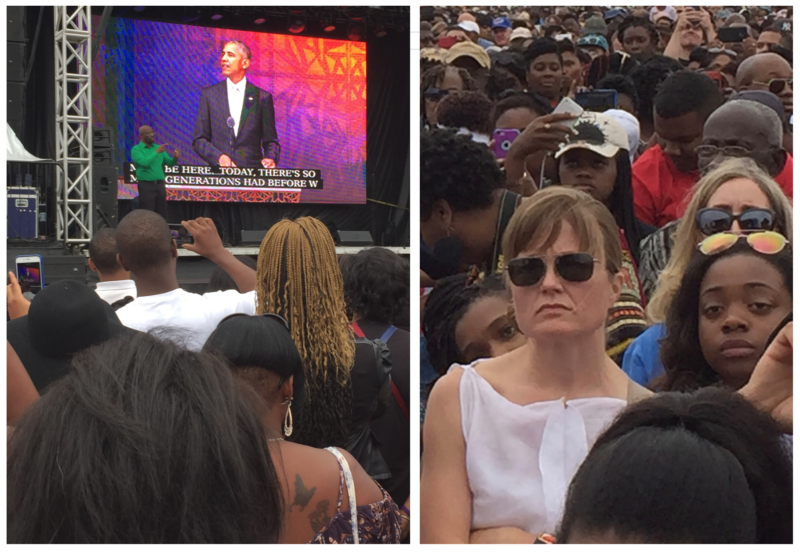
[545, 133]
[208, 244]
[445, 497]
[20, 391]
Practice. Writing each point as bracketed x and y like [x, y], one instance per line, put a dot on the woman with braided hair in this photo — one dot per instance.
[298, 278]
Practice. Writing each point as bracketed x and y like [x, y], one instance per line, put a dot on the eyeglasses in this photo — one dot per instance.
[571, 267]
[727, 151]
[768, 243]
[776, 86]
[712, 220]
[435, 94]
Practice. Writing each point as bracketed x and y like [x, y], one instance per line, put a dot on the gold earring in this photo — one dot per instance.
[288, 422]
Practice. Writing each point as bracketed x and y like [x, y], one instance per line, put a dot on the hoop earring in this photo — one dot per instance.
[288, 422]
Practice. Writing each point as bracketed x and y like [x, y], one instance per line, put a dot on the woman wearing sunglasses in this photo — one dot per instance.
[503, 436]
[436, 83]
[316, 483]
[737, 196]
[736, 292]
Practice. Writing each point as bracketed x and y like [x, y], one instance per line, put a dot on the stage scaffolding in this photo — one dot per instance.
[73, 65]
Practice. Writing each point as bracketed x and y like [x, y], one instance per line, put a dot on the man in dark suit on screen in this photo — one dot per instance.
[235, 124]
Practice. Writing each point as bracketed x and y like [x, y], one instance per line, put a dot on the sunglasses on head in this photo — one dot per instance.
[712, 221]
[435, 94]
[571, 267]
[768, 243]
[776, 86]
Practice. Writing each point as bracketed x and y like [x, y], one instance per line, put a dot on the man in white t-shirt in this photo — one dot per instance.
[147, 250]
[115, 282]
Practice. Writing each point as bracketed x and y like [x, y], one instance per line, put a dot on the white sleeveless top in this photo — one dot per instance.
[521, 459]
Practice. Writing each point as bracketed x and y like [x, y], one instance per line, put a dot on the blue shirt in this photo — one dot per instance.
[642, 361]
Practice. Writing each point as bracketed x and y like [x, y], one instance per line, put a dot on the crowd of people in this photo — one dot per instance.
[271, 409]
[606, 274]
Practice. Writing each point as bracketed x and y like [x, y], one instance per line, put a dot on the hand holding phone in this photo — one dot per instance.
[502, 138]
[17, 304]
[29, 271]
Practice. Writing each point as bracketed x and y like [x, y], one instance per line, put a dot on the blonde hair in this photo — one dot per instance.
[687, 236]
[298, 278]
[538, 222]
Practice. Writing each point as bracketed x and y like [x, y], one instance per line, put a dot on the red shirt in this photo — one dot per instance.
[785, 179]
[661, 191]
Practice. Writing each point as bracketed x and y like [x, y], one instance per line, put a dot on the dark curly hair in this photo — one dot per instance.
[468, 109]
[622, 84]
[540, 47]
[647, 77]
[685, 92]
[705, 467]
[685, 366]
[446, 305]
[143, 442]
[455, 169]
[376, 285]
[432, 78]
[631, 22]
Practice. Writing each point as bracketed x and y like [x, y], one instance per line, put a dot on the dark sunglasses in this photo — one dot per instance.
[776, 86]
[435, 94]
[712, 221]
[571, 267]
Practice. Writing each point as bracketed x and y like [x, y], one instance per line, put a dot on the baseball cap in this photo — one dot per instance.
[630, 125]
[501, 23]
[469, 26]
[593, 40]
[468, 49]
[668, 12]
[611, 14]
[521, 32]
[596, 132]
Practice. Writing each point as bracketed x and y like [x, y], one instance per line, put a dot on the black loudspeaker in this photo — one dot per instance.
[102, 147]
[67, 267]
[104, 193]
[357, 238]
[16, 62]
[15, 27]
[253, 237]
[15, 101]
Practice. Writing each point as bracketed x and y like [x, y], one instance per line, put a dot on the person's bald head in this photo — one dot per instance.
[748, 125]
[145, 243]
[760, 67]
[147, 134]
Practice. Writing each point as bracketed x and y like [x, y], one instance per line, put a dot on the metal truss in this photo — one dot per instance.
[73, 51]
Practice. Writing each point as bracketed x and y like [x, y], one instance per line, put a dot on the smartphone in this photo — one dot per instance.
[29, 271]
[563, 36]
[597, 100]
[732, 34]
[503, 138]
[447, 41]
[183, 235]
[567, 105]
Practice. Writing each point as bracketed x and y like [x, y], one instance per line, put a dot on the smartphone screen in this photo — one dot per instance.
[597, 100]
[732, 34]
[30, 273]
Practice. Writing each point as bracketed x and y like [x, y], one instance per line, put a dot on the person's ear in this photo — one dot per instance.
[616, 287]
[778, 158]
[245, 64]
[174, 249]
[443, 214]
[122, 263]
[92, 266]
[287, 389]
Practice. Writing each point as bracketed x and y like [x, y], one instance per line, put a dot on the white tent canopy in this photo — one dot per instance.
[15, 151]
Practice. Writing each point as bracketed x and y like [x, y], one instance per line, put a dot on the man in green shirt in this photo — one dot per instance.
[149, 160]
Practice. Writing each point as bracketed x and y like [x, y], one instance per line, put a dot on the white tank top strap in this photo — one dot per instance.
[351, 490]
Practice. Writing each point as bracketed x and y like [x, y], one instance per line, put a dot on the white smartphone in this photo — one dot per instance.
[29, 271]
[568, 105]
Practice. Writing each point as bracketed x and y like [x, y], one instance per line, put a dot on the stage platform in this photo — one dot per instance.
[193, 270]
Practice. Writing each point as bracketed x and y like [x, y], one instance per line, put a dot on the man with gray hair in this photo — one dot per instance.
[744, 128]
[235, 125]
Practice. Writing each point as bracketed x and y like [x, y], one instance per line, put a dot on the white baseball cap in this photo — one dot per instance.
[596, 132]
